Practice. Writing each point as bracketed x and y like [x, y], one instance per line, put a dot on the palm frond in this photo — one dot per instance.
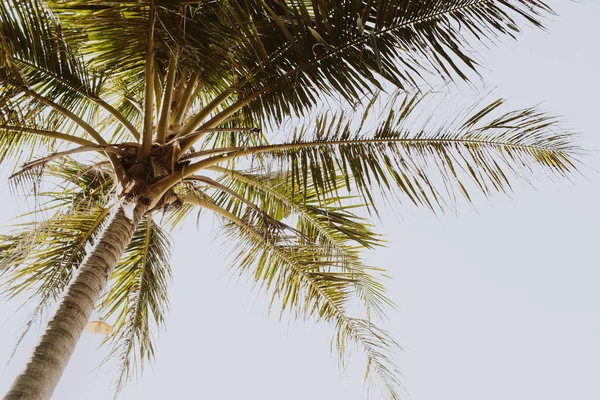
[46, 65]
[112, 36]
[40, 257]
[37, 167]
[137, 299]
[127, 94]
[27, 127]
[329, 225]
[66, 184]
[17, 142]
[485, 145]
[35, 39]
[296, 51]
[80, 184]
[327, 221]
[310, 281]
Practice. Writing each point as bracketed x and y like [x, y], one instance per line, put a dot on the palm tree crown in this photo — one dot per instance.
[171, 105]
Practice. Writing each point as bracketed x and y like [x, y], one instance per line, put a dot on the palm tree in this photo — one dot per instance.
[172, 103]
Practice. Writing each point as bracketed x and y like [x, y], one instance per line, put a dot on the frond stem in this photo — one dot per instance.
[102, 103]
[144, 151]
[50, 134]
[211, 206]
[76, 119]
[217, 119]
[234, 152]
[158, 93]
[217, 130]
[81, 123]
[120, 117]
[197, 119]
[165, 110]
[223, 188]
[184, 102]
[106, 148]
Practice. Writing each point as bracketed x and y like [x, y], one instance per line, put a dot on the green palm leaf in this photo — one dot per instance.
[81, 184]
[46, 65]
[40, 258]
[296, 51]
[486, 146]
[330, 224]
[320, 217]
[137, 299]
[310, 281]
[35, 40]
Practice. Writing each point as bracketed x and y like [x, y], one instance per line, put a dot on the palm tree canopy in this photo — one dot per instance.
[177, 100]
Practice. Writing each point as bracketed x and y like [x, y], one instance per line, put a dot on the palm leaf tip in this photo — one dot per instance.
[381, 351]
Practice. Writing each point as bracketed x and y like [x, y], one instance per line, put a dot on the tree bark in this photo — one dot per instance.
[51, 355]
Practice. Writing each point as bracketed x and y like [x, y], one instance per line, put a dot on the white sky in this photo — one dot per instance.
[498, 303]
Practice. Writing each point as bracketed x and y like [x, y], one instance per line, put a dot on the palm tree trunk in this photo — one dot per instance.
[51, 355]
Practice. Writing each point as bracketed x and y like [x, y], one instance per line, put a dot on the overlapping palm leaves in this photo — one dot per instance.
[287, 54]
[41, 257]
[77, 73]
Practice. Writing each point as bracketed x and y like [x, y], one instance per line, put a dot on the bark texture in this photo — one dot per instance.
[51, 355]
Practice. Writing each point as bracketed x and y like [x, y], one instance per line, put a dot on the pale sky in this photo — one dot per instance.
[497, 303]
